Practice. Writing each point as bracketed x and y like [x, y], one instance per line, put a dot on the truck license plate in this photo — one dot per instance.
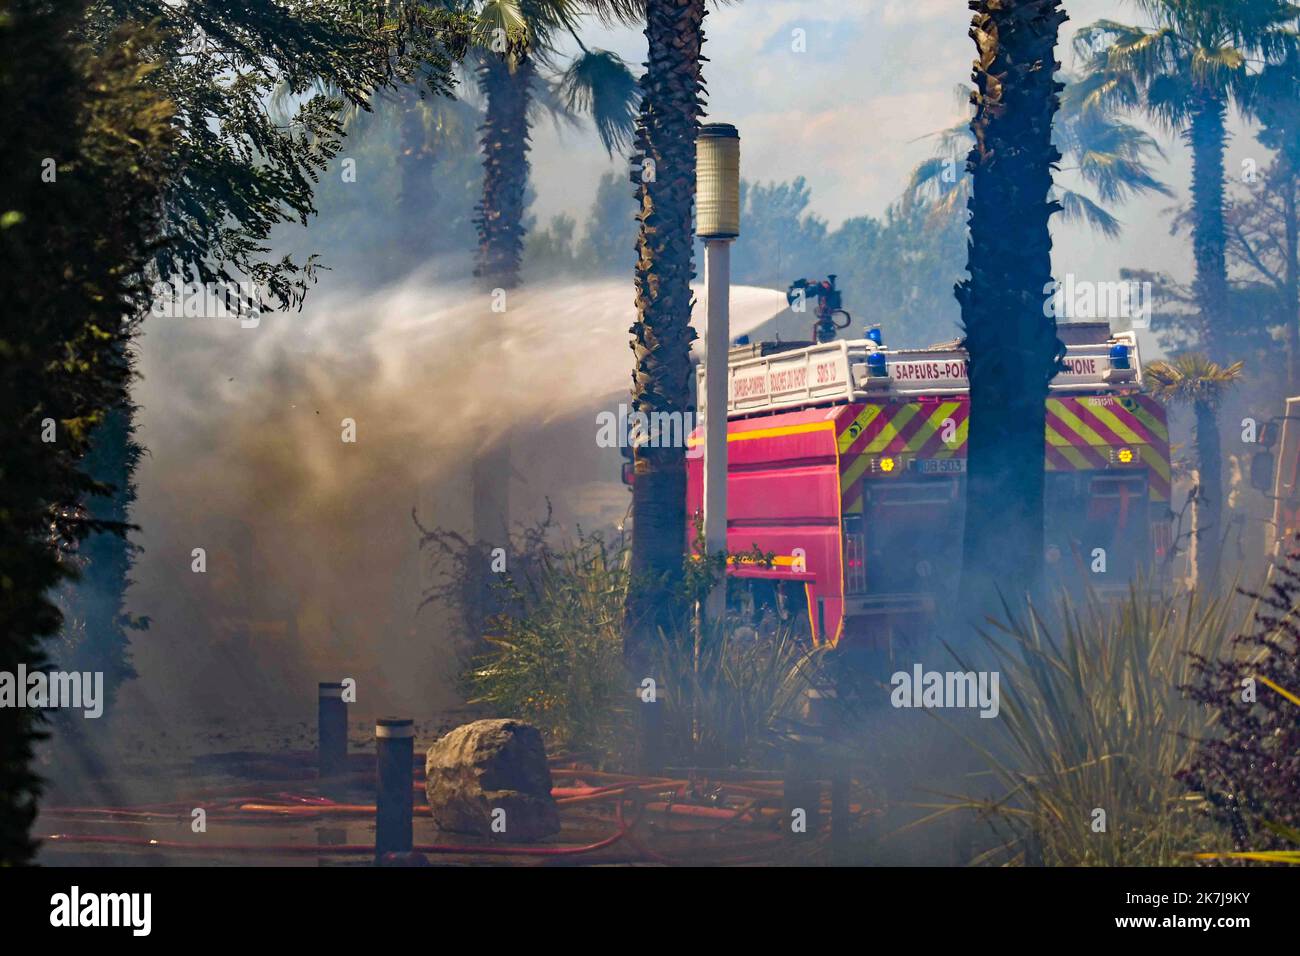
[943, 466]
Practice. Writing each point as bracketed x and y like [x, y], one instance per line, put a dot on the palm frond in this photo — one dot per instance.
[498, 21]
[598, 83]
[613, 13]
[1191, 378]
[1076, 207]
[1221, 68]
[1100, 91]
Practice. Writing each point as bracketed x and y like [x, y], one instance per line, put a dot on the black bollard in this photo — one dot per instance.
[332, 732]
[395, 749]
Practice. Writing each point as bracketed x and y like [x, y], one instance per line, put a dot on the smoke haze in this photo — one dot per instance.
[312, 566]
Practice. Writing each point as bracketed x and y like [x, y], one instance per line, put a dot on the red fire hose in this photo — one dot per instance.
[234, 806]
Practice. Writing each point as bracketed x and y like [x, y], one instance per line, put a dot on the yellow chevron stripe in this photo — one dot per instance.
[891, 429]
[959, 439]
[1073, 422]
[933, 424]
[1155, 461]
[857, 465]
[1055, 439]
[859, 462]
[1118, 427]
[1072, 454]
[1154, 425]
[864, 418]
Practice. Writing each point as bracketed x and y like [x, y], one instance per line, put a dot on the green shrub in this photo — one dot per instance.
[555, 658]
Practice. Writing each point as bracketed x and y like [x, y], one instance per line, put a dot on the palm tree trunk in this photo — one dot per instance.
[490, 491]
[506, 81]
[672, 96]
[1208, 138]
[415, 175]
[1209, 507]
[1014, 351]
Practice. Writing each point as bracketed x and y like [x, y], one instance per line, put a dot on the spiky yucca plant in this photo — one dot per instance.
[728, 703]
[1093, 719]
[553, 656]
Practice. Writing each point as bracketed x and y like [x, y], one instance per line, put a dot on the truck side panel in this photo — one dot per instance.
[783, 498]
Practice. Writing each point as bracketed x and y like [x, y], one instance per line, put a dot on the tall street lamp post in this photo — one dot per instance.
[717, 197]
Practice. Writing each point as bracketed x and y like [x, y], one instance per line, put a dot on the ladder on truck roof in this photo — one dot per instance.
[767, 377]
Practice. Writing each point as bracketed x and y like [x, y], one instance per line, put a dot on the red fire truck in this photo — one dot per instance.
[847, 461]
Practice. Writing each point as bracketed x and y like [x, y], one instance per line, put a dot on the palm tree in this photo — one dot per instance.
[1184, 72]
[1108, 155]
[1277, 103]
[672, 95]
[515, 39]
[1192, 379]
[1012, 343]
[505, 76]
[431, 123]
[429, 127]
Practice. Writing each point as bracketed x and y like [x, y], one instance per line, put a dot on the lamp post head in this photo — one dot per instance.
[717, 182]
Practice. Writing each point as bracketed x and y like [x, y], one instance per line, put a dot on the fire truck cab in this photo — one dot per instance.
[847, 461]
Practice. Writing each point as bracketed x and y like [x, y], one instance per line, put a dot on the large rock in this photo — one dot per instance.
[491, 765]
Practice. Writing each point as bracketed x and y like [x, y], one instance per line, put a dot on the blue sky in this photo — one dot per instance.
[854, 112]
